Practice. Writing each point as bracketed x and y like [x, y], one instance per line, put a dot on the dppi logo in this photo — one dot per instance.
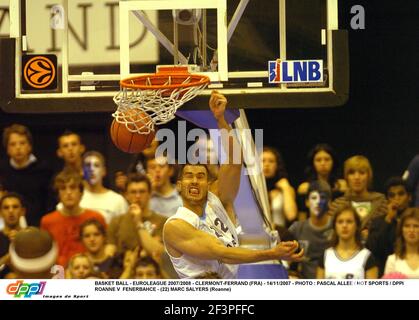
[294, 71]
[27, 290]
[39, 72]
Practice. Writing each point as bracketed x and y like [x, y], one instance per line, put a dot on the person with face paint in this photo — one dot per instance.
[96, 197]
[314, 234]
[322, 164]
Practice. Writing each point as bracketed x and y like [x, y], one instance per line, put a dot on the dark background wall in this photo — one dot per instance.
[379, 120]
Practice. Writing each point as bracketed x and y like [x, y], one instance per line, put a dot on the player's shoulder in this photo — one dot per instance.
[178, 227]
[214, 199]
[183, 215]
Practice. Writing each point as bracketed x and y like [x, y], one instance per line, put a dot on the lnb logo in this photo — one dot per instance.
[27, 290]
[295, 71]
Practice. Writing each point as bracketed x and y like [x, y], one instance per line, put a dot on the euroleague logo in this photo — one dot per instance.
[39, 72]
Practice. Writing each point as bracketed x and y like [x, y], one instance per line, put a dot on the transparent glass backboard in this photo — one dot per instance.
[247, 47]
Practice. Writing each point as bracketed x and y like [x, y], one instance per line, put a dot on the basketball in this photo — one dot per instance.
[132, 142]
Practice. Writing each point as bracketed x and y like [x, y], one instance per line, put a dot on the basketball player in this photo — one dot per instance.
[201, 237]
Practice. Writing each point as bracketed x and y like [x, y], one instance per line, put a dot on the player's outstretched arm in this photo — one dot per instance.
[185, 239]
[230, 171]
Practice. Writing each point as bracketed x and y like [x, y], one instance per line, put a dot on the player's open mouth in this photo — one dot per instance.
[194, 191]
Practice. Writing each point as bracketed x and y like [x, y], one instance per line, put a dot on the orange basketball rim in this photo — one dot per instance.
[158, 95]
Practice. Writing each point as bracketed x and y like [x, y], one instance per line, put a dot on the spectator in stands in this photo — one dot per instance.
[165, 199]
[405, 260]
[130, 260]
[64, 223]
[96, 197]
[11, 210]
[411, 175]
[32, 254]
[147, 268]
[346, 258]
[314, 234]
[79, 267]
[137, 166]
[139, 226]
[24, 173]
[382, 232]
[139, 268]
[322, 166]
[368, 204]
[281, 193]
[93, 237]
[3, 191]
[70, 150]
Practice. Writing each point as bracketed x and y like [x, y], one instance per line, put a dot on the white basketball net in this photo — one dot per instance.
[159, 105]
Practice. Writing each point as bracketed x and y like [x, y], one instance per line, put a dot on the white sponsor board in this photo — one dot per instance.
[93, 32]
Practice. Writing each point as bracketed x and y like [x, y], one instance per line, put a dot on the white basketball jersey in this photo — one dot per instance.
[216, 222]
[353, 268]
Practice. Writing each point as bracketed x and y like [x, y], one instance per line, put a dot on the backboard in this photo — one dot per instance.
[237, 43]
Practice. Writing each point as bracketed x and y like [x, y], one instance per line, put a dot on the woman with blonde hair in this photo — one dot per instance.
[369, 204]
[405, 260]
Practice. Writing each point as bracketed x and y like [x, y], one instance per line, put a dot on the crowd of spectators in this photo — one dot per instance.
[69, 218]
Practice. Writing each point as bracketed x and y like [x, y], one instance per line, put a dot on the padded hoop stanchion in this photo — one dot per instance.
[158, 96]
